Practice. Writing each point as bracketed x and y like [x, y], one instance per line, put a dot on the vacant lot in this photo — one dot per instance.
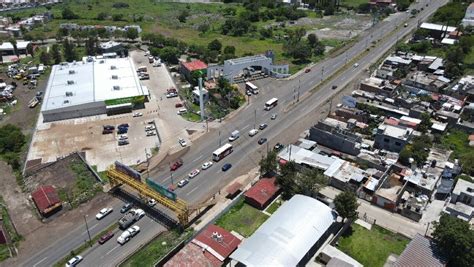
[242, 218]
[371, 248]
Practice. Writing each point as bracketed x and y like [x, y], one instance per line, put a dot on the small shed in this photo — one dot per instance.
[262, 193]
[46, 200]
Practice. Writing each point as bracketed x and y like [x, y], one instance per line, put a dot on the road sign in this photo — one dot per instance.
[161, 190]
[127, 170]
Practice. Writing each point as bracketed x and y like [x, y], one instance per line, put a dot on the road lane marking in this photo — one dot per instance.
[110, 251]
[194, 189]
[247, 126]
[197, 158]
[93, 226]
[40, 261]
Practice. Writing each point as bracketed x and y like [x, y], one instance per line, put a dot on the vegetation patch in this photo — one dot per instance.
[274, 206]
[150, 254]
[459, 143]
[11, 232]
[86, 186]
[371, 247]
[242, 218]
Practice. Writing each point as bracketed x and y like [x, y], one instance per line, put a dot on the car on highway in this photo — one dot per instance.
[274, 116]
[140, 213]
[137, 114]
[253, 132]
[183, 182]
[74, 261]
[248, 92]
[356, 65]
[262, 140]
[126, 207]
[194, 173]
[262, 126]
[334, 87]
[182, 142]
[151, 202]
[134, 230]
[106, 237]
[171, 95]
[307, 70]
[103, 212]
[124, 237]
[226, 167]
[278, 147]
[176, 165]
[206, 165]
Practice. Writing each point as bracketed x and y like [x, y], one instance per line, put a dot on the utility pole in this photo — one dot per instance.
[201, 99]
[322, 73]
[299, 85]
[147, 164]
[88, 233]
[219, 138]
[255, 123]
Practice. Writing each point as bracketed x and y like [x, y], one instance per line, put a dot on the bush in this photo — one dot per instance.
[68, 14]
[120, 5]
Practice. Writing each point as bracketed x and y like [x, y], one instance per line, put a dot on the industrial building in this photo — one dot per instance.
[93, 86]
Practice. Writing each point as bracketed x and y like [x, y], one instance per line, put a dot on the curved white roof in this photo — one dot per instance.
[287, 235]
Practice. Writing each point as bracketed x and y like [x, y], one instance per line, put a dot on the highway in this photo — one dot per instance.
[247, 153]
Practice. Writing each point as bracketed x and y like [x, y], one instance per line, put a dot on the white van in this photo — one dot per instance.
[234, 135]
[253, 132]
[182, 111]
[124, 237]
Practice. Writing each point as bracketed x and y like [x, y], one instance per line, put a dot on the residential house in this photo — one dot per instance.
[392, 138]
[421, 252]
[462, 201]
[187, 68]
[377, 86]
[469, 16]
[197, 93]
[335, 138]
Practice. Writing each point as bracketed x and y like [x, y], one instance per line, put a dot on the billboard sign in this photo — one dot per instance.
[128, 171]
[161, 190]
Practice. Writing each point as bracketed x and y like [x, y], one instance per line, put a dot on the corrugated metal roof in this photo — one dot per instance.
[263, 190]
[45, 197]
[287, 235]
[420, 252]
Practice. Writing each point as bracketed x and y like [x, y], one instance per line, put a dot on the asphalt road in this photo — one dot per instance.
[247, 152]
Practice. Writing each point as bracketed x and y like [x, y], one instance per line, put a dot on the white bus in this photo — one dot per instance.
[222, 152]
[251, 87]
[271, 103]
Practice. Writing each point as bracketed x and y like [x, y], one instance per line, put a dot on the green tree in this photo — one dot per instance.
[56, 53]
[286, 179]
[455, 239]
[269, 164]
[102, 16]
[117, 17]
[204, 27]
[346, 205]
[313, 40]
[11, 139]
[45, 58]
[182, 17]
[403, 5]
[215, 45]
[230, 50]
[169, 54]
[309, 181]
[132, 33]
[91, 46]
[68, 14]
[426, 123]
[467, 162]
[69, 51]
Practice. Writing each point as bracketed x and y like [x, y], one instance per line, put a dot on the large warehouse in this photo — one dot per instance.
[92, 87]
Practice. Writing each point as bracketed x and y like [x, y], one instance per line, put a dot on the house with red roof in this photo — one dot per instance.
[211, 247]
[262, 193]
[46, 200]
[187, 68]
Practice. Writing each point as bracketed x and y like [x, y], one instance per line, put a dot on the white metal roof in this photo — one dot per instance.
[304, 156]
[437, 27]
[72, 84]
[9, 46]
[287, 235]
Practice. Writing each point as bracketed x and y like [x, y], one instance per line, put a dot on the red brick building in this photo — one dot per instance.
[262, 193]
[46, 200]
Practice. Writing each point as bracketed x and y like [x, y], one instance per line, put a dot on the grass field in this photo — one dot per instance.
[4, 252]
[155, 250]
[242, 218]
[458, 142]
[353, 3]
[274, 206]
[371, 248]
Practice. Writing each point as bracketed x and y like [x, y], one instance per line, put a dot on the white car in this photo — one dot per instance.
[181, 111]
[140, 213]
[74, 261]
[151, 202]
[137, 114]
[253, 132]
[194, 173]
[183, 182]
[123, 137]
[356, 65]
[206, 165]
[103, 212]
[124, 237]
[182, 142]
[134, 230]
[150, 133]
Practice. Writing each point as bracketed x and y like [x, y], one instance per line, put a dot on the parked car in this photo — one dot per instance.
[182, 142]
[126, 207]
[206, 165]
[262, 140]
[137, 114]
[123, 142]
[334, 87]
[109, 127]
[181, 111]
[176, 165]
[103, 212]
[194, 173]
[307, 70]
[123, 125]
[248, 92]
[278, 147]
[139, 213]
[171, 95]
[74, 261]
[262, 126]
[106, 237]
[226, 167]
[183, 182]
[134, 230]
[178, 105]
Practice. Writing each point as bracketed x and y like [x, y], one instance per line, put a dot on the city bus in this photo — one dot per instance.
[251, 87]
[222, 152]
[271, 103]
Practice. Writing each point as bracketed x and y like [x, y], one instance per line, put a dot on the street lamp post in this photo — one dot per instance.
[87, 228]
[255, 122]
